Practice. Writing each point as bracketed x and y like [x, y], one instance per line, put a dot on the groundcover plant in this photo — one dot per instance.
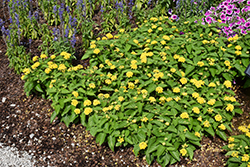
[158, 88]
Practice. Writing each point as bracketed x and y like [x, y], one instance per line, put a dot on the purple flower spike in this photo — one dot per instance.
[248, 2]
[181, 33]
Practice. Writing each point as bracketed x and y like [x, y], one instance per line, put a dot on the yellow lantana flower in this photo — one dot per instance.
[144, 119]
[129, 74]
[197, 134]
[222, 127]
[74, 102]
[152, 99]
[96, 102]
[92, 85]
[196, 110]
[143, 145]
[120, 140]
[201, 100]
[159, 89]
[75, 94]
[120, 98]
[184, 115]
[183, 81]
[195, 95]
[183, 151]
[87, 103]
[211, 102]
[35, 58]
[218, 117]
[43, 56]
[228, 84]
[77, 111]
[238, 47]
[206, 123]
[88, 110]
[200, 63]
[47, 70]
[181, 59]
[211, 84]
[176, 90]
[230, 107]
[96, 51]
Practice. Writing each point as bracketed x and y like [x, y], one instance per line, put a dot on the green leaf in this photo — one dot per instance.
[166, 159]
[221, 134]
[38, 88]
[189, 48]
[67, 119]
[189, 68]
[140, 105]
[100, 138]
[111, 142]
[175, 154]
[136, 149]
[151, 88]
[65, 91]
[191, 136]
[107, 89]
[83, 119]
[213, 71]
[227, 76]
[238, 110]
[53, 116]
[190, 152]
[240, 69]
[152, 148]
[210, 130]
[160, 150]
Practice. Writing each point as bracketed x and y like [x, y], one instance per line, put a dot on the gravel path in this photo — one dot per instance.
[10, 156]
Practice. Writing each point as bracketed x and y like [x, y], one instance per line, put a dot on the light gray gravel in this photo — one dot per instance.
[10, 156]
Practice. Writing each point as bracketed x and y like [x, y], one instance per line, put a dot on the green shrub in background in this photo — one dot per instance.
[153, 88]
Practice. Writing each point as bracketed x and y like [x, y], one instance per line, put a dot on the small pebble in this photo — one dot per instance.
[12, 105]
[4, 99]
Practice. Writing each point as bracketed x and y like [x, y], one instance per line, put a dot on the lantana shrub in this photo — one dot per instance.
[153, 88]
[238, 148]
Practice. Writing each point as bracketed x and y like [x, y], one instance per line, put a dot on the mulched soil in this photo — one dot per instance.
[25, 124]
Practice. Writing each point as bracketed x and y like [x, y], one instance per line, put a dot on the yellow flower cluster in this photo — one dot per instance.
[232, 99]
[88, 110]
[159, 89]
[144, 119]
[143, 145]
[26, 71]
[87, 103]
[120, 140]
[211, 102]
[222, 126]
[65, 55]
[77, 111]
[183, 151]
[75, 94]
[43, 56]
[184, 115]
[197, 83]
[206, 123]
[34, 66]
[230, 107]
[196, 110]
[201, 100]
[245, 157]
[218, 117]
[235, 154]
[228, 84]
[62, 67]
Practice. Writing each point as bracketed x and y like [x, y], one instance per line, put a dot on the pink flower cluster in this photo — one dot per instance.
[235, 13]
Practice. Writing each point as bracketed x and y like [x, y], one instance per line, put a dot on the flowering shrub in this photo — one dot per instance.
[238, 148]
[235, 13]
[154, 88]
